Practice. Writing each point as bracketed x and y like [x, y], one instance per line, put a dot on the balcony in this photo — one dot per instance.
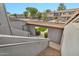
[17, 37]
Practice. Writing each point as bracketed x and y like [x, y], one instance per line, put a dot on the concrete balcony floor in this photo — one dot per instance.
[52, 50]
[49, 52]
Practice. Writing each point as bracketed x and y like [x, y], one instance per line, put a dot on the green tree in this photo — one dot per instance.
[14, 15]
[26, 14]
[39, 15]
[44, 16]
[61, 7]
[32, 11]
[48, 10]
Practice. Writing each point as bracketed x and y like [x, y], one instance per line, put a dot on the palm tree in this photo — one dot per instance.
[61, 7]
[32, 11]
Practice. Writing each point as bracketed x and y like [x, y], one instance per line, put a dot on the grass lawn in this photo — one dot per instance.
[41, 29]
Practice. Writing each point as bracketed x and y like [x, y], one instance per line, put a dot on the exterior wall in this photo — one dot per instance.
[20, 16]
[18, 28]
[22, 46]
[4, 26]
[20, 32]
[62, 14]
[31, 29]
[70, 41]
[55, 35]
[17, 24]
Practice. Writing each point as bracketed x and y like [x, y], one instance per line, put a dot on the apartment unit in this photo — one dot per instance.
[63, 14]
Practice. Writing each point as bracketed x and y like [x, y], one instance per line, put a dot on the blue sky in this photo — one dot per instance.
[20, 7]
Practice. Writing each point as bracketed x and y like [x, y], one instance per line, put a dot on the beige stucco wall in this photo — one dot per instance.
[27, 46]
[55, 35]
[4, 27]
[70, 42]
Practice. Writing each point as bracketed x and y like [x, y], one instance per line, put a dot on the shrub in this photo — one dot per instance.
[46, 35]
[37, 32]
